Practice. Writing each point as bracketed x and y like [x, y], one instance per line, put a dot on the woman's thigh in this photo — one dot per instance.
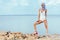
[45, 21]
[38, 22]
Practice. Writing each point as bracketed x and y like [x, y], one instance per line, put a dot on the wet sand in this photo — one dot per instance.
[21, 36]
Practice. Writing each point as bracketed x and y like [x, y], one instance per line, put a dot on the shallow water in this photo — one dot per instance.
[25, 24]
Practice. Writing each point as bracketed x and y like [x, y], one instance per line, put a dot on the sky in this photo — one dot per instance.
[28, 7]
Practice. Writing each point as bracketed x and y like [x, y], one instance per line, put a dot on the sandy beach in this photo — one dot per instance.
[21, 36]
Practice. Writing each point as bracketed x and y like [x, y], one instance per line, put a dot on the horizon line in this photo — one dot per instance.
[27, 15]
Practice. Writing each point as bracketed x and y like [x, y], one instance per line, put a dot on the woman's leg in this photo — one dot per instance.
[38, 22]
[46, 26]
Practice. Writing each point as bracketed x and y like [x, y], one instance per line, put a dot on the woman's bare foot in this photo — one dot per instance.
[35, 33]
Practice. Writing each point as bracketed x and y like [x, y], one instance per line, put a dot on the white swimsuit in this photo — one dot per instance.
[42, 16]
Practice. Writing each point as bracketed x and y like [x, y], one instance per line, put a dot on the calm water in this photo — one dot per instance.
[25, 24]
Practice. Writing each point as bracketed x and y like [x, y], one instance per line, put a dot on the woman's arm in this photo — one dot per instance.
[39, 14]
[46, 13]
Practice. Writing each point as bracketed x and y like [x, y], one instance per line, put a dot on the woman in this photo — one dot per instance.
[42, 15]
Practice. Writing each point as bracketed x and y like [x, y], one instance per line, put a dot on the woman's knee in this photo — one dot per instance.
[34, 23]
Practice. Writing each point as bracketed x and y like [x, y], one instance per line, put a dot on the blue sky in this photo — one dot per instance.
[28, 7]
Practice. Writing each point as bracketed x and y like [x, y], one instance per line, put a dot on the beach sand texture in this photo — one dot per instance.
[21, 36]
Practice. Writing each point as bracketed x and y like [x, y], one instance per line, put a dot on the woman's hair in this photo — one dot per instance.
[43, 4]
